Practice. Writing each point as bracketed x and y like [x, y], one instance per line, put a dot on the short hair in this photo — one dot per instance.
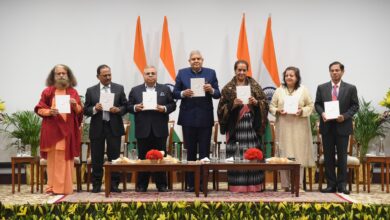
[150, 66]
[337, 63]
[195, 52]
[239, 62]
[297, 75]
[50, 81]
[102, 67]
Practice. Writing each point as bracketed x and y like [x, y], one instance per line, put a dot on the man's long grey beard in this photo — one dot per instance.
[61, 83]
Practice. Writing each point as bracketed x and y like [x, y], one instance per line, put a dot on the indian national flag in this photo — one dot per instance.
[242, 47]
[139, 59]
[167, 75]
[269, 75]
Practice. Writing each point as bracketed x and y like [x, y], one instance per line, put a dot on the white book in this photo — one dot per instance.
[63, 103]
[243, 93]
[332, 109]
[107, 100]
[291, 104]
[197, 87]
[149, 100]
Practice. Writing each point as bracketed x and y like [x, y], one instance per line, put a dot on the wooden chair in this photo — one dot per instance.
[353, 163]
[124, 152]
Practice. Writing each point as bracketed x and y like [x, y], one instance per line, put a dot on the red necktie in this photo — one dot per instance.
[334, 93]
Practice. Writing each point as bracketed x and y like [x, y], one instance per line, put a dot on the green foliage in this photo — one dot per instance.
[367, 126]
[314, 119]
[24, 125]
[196, 210]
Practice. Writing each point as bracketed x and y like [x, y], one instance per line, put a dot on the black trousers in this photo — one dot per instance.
[144, 145]
[196, 139]
[334, 142]
[97, 154]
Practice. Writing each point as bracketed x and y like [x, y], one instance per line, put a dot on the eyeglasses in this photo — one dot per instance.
[150, 73]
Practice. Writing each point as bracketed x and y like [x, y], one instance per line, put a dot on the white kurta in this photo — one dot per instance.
[291, 131]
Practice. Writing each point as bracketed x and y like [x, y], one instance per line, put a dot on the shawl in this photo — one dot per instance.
[55, 128]
[228, 117]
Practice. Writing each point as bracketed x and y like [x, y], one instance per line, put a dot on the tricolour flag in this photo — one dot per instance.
[269, 76]
[167, 73]
[242, 47]
[139, 59]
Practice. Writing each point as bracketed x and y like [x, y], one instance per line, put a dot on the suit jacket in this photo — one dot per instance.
[149, 120]
[349, 105]
[196, 111]
[92, 97]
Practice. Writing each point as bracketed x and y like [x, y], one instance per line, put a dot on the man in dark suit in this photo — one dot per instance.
[196, 114]
[106, 126]
[151, 125]
[335, 133]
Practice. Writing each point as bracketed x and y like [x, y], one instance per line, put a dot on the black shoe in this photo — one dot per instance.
[162, 189]
[190, 189]
[329, 190]
[115, 189]
[96, 189]
[343, 190]
[140, 189]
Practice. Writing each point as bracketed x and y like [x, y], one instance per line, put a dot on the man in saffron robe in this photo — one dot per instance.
[60, 132]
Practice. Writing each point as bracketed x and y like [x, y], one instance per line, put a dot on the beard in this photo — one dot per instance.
[61, 83]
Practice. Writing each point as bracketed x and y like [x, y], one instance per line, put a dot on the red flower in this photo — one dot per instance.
[154, 155]
[253, 154]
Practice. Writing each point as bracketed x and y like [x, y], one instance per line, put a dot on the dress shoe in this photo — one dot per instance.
[343, 190]
[115, 189]
[162, 189]
[140, 189]
[329, 190]
[96, 189]
[190, 189]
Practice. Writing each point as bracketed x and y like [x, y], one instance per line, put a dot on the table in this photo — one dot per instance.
[147, 166]
[292, 167]
[382, 160]
[23, 160]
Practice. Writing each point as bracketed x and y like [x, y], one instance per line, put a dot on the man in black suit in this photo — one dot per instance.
[151, 125]
[335, 133]
[106, 126]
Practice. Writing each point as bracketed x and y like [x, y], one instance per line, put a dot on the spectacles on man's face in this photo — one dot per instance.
[150, 73]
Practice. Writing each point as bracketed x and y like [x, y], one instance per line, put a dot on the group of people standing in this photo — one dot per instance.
[243, 121]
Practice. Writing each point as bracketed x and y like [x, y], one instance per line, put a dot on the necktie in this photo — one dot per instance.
[334, 93]
[106, 114]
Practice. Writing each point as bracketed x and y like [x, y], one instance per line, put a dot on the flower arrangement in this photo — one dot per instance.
[386, 101]
[2, 105]
[253, 154]
[154, 155]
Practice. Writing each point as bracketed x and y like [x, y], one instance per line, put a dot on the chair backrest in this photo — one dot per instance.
[171, 132]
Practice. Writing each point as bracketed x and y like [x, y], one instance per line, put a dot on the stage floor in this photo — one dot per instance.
[376, 196]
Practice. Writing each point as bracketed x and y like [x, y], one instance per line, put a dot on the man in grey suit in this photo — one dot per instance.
[335, 133]
[151, 125]
[106, 126]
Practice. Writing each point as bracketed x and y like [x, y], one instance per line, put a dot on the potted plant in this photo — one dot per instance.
[367, 126]
[24, 125]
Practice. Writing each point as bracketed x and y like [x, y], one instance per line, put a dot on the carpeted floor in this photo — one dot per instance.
[23, 197]
[216, 196]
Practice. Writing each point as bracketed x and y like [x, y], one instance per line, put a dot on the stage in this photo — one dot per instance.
[376, 196]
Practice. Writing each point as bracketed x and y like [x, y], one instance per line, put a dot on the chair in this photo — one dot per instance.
[124, 152]
[353, 163]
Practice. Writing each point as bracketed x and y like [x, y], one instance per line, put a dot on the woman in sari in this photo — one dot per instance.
[243, 123]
